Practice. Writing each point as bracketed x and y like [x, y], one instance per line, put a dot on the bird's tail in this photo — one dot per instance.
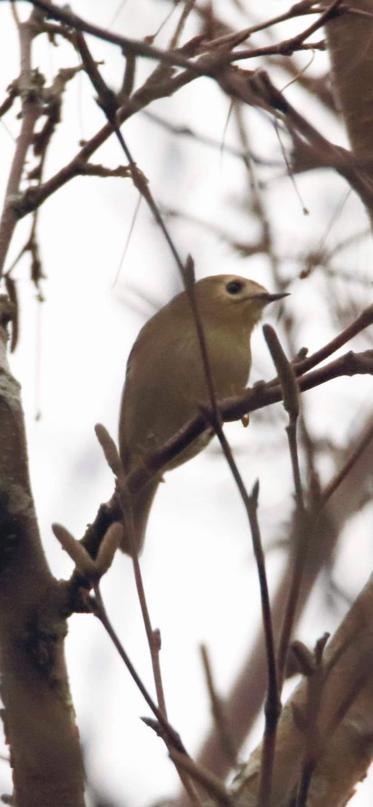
[138, 519]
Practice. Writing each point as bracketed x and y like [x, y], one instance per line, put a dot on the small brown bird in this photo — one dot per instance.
[165, 381]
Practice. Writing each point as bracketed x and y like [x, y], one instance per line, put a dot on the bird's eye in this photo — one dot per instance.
[234, 286]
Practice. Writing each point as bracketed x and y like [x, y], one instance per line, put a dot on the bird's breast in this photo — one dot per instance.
[166, 387]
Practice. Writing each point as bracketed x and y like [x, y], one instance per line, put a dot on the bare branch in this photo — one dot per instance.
[260, 396]
[29, 89]
[209, 782]
[172, 737]
[345, 704]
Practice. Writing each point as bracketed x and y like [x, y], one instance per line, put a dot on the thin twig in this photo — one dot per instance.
[235, 38]
[188, 7]
[34, 197]
[209, 782]
[337, 480]
[128, 46]
[256, 398]
[359, 324]
[290, 396]
[152, 636]
[30, 113]
[290, 45]
[272, 706]
[217, 709]
[251, 506]
[170, 736]
[302, 543]
[92, 570]
[100, 612]
[110, 107]
[210, 65]
[329, 155]
[176, 57]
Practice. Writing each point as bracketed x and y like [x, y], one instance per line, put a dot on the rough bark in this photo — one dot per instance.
[38, 717]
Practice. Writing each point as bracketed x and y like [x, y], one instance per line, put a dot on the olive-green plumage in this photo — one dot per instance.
[165, 382]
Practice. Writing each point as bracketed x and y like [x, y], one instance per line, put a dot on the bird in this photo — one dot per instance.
[165, 384]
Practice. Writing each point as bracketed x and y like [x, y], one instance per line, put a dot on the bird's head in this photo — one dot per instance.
[231, 298]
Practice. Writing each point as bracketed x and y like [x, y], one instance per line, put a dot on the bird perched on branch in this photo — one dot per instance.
[165, 383]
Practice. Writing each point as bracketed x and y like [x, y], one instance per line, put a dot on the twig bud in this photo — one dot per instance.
[285, 371]
[110, 450]
[108, 547]
[78, 554]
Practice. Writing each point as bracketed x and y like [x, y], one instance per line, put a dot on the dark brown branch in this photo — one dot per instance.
[353, 169]
[213, 65]
[260, 396]
[113, 459]
[257, 89]
[175, 57]
[94, 170]
[359, 324]
[150, 91]
[272, 706]
[185, 12]
[235, 38]
[289, 46]
[171, 736]
[249, 684]
[153, 635]
[109, 105]
[34, 686]
[128, 46]
[8, 101]
[290, 396]
[166, 731]
[209, 782]
[38, 718]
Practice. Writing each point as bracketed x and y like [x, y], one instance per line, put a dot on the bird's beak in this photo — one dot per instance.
[266, 297]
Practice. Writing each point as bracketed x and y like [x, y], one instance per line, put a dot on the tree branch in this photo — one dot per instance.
[344, 719]
[29, 89]
[39, 722]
